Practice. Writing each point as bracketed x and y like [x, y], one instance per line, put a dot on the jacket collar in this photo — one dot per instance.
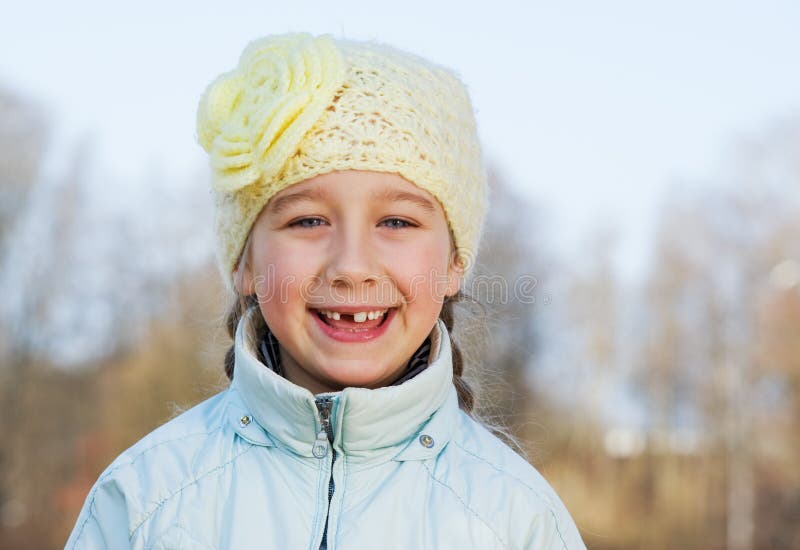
[369, 425]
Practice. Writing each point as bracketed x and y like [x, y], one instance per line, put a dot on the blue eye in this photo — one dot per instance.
[392, 223]
[307, 222]
[397, 223]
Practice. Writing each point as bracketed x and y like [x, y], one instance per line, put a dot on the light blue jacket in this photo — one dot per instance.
[253, 467]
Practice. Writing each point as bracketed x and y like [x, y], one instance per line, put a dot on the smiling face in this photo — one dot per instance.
[332, 252]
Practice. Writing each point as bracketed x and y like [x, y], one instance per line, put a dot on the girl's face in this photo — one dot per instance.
[327, 252]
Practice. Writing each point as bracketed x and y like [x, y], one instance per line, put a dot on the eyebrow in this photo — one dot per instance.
[394, 195]
[281, 203]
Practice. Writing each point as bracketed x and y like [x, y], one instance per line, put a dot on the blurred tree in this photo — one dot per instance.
[41, 409]
[699, 364]
[508, 281]
[593, 301]
[24, 133]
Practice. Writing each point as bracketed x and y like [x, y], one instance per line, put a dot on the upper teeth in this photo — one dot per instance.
[358, 317]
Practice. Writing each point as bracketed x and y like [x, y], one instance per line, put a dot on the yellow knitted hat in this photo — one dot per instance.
[298, 106]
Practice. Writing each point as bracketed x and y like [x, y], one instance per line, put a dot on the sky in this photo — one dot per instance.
[592, 110]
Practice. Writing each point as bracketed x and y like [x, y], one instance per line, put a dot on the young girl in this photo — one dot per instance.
[350, 197]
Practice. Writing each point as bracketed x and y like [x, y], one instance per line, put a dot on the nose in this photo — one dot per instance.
[352, 260]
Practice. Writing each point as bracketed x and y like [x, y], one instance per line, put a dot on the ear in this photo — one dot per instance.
[455, 276]
[243, 278]
[242, 272]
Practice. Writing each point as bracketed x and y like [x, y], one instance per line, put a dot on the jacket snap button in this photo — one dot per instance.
[426, 441]
[244, 421]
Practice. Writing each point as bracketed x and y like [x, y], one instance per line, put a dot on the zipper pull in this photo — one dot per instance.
[320, 448]
[325, 434]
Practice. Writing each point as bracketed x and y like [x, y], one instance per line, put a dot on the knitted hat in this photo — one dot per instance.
[298, 106]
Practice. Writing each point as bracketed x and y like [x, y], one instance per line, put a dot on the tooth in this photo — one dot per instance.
[328, 314]
[360, 317]
[370, 315]
[336, 316]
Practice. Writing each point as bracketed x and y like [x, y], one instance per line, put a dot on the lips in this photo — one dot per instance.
[346, 329]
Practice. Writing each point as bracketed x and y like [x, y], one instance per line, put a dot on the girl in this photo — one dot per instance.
[350, 197]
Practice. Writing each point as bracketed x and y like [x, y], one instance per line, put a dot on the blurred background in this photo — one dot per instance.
[640, 276]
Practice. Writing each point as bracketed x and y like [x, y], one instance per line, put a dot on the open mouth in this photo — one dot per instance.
[358, 320]
[354, 326]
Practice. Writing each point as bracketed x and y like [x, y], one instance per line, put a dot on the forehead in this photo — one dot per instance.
[352, 186]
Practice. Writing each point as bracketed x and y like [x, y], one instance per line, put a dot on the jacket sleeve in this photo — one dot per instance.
[104, 519]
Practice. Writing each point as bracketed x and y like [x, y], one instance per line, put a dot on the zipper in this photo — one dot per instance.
[322, 443]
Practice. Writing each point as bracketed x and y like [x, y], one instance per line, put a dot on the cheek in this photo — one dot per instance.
[282, 277]
[422, 273]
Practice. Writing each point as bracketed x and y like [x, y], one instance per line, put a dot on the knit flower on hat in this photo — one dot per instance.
[251, 119]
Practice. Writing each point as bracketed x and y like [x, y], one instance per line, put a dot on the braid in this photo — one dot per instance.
[466, 395]
[236, 310]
